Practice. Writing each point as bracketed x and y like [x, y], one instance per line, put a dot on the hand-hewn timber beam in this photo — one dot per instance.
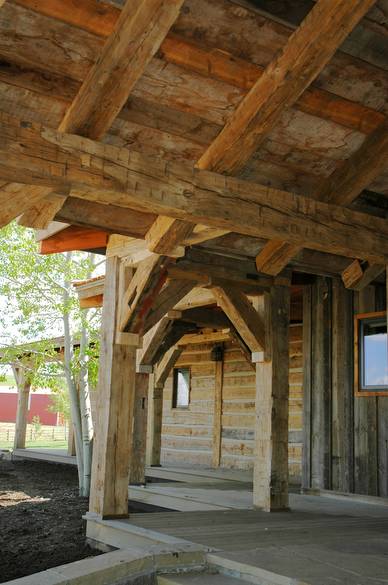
[341, 188]
[13, 199]
[74, 238]
[42, 213]
[357, 276]
[112, 175]
[166, 235]
[119, 220]
[138, 33]
[111, 79]
[307, 51]
[241, 313]
[355, 174]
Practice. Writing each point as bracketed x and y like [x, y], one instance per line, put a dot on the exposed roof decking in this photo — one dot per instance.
[210, 58]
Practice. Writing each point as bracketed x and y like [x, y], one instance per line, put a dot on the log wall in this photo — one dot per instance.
[187, 434]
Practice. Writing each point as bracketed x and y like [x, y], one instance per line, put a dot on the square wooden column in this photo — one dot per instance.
[155, 415]
[270, 477]
[116, 391]
[138, 454]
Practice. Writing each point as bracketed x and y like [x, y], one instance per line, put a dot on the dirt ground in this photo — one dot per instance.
[40, 518]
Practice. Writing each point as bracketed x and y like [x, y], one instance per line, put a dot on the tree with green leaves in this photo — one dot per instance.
[44, 332]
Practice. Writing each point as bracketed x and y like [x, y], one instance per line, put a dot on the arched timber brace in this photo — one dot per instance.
[270, 475]
[116, 391]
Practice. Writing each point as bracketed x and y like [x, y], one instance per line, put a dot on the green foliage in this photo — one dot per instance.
[37, 425]
[60, 402]
[35, 294]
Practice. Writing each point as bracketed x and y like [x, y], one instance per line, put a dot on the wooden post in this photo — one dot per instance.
[365, 420]
[342, 388]
[217, 428]
[23, 387]
[270, 477]
[155, 414]
[138, 453]
[321, 394]
[116, 390]
[307, 383]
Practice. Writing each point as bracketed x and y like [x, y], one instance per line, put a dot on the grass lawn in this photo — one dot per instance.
[49, 437]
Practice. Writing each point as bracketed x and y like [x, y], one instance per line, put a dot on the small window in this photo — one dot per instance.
[181, 388]
[371, 360]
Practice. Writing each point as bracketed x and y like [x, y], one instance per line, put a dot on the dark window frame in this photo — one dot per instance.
[174, 403]
[359, 388]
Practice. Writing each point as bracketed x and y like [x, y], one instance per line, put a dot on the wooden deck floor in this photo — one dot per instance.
[321, 541]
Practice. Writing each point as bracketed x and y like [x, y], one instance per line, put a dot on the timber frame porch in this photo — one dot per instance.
[231, 163]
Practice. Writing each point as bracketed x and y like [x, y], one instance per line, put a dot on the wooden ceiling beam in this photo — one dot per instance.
[16, 198]
[306, 53]
[342, 188]
[110, 81]
[74, 238]
[112, 218]
[357, 276]
[41, 214]
[166, 235]
[100, 19]
[111, 175]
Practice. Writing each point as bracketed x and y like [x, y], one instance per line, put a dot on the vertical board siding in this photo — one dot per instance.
[187, 434]
[345, 437]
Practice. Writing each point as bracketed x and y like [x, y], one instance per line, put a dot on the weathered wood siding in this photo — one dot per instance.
[345, 436]
[187, 434]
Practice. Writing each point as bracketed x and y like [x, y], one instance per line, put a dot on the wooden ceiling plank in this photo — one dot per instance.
[341, 188]
[244, 317]
[306, 53]
[110, 175]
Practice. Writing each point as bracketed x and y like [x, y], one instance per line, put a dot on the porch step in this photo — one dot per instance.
[198, 579]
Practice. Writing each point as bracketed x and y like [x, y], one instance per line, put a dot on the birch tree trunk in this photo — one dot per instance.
[86, 412]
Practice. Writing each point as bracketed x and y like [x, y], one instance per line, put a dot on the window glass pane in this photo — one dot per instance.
[183, 387]
[375, 352]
